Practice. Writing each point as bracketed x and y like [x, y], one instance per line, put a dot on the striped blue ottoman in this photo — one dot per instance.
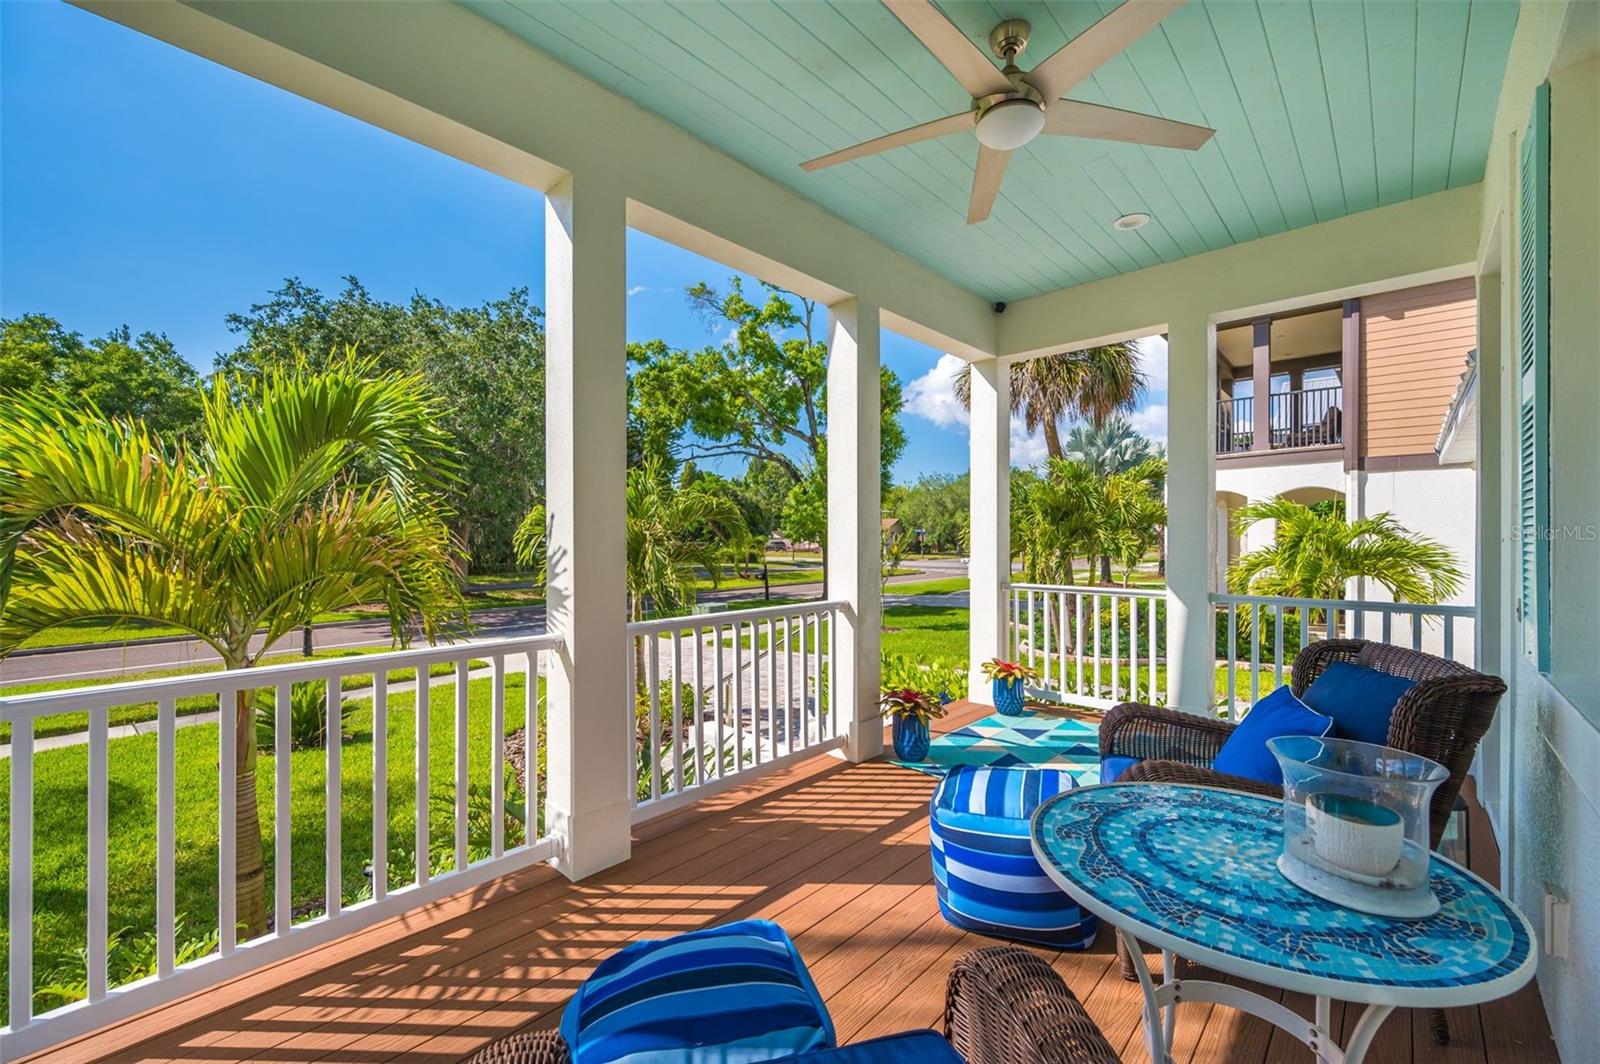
[983, 865]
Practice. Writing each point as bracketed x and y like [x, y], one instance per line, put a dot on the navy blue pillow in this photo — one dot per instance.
[1245, 753]
[1360, 700]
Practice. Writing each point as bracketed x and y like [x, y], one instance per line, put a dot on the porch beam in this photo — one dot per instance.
[1350, 379]
[1261, 375]
[854, 547]
[989, 564]
[588, 720]
[1191, 525]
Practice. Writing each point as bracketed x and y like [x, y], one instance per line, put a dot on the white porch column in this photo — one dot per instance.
[854, 516]
[589, 715]
[989, 565]
[1191, 524]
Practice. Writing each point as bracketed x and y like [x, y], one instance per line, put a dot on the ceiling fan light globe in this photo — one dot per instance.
[1010, 124]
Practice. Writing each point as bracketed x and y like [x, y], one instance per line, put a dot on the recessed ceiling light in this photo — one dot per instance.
[1130, 221]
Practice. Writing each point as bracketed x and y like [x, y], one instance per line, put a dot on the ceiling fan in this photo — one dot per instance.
[1011, 106]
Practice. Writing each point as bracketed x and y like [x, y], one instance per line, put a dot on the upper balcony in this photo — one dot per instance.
[1298, 418]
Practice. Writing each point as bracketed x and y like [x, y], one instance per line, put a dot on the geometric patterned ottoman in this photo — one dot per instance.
[984, 871]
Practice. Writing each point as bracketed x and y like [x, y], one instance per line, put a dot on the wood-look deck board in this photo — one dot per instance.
[836, 853]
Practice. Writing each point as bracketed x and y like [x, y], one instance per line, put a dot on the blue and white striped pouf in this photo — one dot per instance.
[983, 865]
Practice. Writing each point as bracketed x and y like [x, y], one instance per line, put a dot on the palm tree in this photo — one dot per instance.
[253, 530]
[1091, 384]
[1113, 447]
[1315, 552]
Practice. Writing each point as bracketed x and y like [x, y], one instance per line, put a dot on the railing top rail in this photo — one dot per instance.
[1079, 589]
[712, 620]
[1346, 604]
[227, 681]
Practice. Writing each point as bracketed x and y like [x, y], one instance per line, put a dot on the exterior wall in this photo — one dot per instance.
[1260, 483]
[1414, 345]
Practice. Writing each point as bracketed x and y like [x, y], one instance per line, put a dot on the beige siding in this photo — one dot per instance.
[1414, 346]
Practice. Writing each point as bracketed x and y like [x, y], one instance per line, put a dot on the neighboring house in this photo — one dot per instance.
[1371, 402]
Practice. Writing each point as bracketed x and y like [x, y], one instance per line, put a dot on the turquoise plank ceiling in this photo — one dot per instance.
[1321, 107]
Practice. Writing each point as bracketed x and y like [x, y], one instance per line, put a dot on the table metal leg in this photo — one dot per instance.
[1169, 976]
[1366, 1030]
[1155, 1038]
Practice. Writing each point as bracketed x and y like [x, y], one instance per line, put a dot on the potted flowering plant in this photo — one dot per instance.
[909, 712]
[1008, 677]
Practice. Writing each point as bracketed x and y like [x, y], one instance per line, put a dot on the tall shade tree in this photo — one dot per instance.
[1091, 384]
[1315, 552]
[252, 530]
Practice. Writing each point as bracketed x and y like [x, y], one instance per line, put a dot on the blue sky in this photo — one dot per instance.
[142, 185]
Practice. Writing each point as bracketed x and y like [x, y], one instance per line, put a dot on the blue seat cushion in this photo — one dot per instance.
[985, 875]
[908, 1047]
[730, 994]
[1112, 767]
[1360, 700]
[1245, 752]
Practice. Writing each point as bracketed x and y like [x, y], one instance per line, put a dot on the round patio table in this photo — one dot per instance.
[1193, 870]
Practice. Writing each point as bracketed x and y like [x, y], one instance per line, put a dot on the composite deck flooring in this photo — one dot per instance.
[836, 853]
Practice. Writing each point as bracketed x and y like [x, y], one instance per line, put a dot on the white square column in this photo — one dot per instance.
[1191, 521]
[855, 550]
[989, 564]
[590, 715]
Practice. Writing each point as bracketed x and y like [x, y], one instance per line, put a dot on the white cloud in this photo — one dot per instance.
[1153, 360]
[636, 289]
[1027, 449]
[1152, 421]
[932, 396]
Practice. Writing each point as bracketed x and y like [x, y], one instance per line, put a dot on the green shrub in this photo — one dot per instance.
[308, 717]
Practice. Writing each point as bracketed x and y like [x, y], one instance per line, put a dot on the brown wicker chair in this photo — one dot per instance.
[1003, 1005]
[1442, 716]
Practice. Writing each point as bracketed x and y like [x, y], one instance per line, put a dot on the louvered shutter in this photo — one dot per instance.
[1533, 385]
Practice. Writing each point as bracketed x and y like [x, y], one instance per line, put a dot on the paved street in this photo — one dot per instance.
[116, 659]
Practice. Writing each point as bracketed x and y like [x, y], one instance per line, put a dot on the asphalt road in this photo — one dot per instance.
[100, 661]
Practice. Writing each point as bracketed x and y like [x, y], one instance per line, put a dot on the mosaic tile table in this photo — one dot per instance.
[1193, 870]
[1037, 740]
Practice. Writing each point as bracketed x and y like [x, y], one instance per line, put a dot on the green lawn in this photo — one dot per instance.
[60, 815]
[928, 587]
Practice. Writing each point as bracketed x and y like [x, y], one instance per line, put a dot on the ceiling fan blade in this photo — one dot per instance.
[1072, 118]
[1084, 54]
[986, 183]
[939, 127]
[954, 49]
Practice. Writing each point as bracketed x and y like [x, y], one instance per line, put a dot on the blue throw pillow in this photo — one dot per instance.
[1360, 700]
[727, 994]
[1245, 753]
[1113, 767]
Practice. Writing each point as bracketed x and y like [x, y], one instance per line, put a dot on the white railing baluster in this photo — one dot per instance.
[166, 845]
[20, 907]
[497, 755]
[1046, 671]
[1094, 610]
[652, 679]
[806, 622]
[1450, 638]
[1305, 626]
[772, 690]
[719, 699]
[424, 710]
[531, 742]
[699, 694]
[1277, 648]
[1077, 615]
[1255, 654]
[1388, 625]
[737, 691]
[1116, 655]
[462, 693]
[1033, 644]
[1154, 692]
[1233, 660]
[332, 745]
[1133, 651]
[98, 887]
[1416, 631]
[227, 826]
[677, 710]
[380, 784]
[282, 813]
[833, 676]
[786, 702]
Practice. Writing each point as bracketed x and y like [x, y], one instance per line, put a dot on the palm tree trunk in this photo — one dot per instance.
[250, 870]
[1105, 569]
[1052, 438]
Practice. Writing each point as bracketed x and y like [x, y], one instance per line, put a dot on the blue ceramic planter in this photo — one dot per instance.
[1008, 697]
[910, 739]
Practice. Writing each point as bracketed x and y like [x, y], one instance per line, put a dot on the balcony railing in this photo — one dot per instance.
[1092, 646]
[1305, 417]
[1259, 636]
[727, 696]
[347, 903]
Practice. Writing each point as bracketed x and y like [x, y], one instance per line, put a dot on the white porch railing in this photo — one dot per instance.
[437, 871]
[723, 697]
[1259, 636]
[1092, 646]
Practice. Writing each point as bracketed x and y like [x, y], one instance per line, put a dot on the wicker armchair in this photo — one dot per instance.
[1442, 716]
[1003, 1005]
